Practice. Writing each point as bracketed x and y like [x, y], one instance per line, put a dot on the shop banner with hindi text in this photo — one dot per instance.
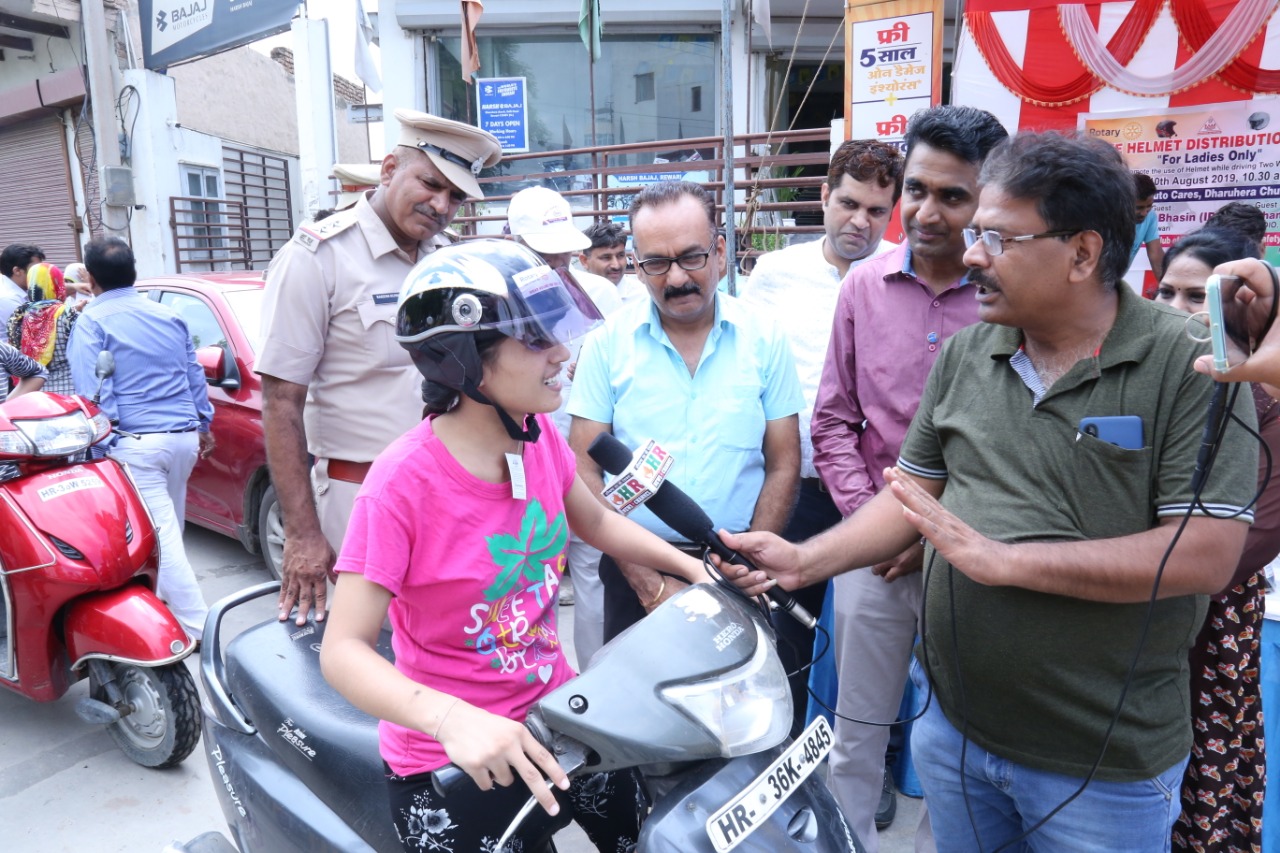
[893, 65]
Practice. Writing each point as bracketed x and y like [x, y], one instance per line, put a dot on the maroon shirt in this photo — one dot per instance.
[889, 327]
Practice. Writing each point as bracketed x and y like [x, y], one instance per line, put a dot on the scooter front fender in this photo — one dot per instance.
[128, 624]
[808, 821]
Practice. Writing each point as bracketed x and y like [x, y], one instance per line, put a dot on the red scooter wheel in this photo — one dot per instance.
[163, 726]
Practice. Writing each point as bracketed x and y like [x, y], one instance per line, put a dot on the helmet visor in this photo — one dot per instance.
[555, 309]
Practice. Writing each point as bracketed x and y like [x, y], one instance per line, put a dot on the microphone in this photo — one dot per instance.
[1209, 439]
[683, 515]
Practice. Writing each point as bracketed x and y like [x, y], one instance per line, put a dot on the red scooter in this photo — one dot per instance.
[78, 563]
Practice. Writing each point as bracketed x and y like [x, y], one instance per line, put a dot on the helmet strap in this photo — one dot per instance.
[531, 430]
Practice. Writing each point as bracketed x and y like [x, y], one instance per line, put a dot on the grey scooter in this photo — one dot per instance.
[694, 696]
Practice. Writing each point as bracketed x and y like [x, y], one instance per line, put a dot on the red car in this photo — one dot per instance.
[231, 491]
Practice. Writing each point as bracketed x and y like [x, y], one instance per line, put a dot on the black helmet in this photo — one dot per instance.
[486, 286]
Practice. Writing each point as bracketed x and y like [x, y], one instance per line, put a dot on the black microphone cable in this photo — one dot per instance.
[815, 656]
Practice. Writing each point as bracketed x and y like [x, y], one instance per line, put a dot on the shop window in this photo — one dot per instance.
[200, 226]
[642, 94]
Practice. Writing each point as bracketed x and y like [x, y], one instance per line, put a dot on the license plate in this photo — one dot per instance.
[739, 817]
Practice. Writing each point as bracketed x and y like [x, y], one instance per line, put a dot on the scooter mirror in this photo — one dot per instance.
[106, 364]
[105, 367]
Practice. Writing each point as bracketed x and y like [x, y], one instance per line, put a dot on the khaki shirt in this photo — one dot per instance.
[329, 323]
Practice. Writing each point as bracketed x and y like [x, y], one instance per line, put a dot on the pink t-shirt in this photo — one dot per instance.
[475, 576]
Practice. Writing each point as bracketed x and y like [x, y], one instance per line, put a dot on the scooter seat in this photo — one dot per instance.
[273, 671]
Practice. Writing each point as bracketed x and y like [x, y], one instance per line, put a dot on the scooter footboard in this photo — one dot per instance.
[808, 820]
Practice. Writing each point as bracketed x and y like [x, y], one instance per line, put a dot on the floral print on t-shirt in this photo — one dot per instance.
[513, 625]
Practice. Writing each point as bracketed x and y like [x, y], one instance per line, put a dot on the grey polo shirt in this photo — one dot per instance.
[1041, 673]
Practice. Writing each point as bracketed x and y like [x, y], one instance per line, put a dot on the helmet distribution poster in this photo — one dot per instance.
[1200, 159]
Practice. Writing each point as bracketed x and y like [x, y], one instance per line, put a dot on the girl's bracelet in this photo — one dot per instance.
[661, 589]
[443, 717]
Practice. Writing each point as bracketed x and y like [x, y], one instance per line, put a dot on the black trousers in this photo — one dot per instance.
[815, 512]
[608, 807]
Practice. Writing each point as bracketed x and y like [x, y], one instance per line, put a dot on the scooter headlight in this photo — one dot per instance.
[747, 709]
[60, 436]
[14, 443]
[101, 425]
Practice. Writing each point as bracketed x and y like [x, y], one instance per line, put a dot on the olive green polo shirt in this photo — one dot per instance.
[1041, 673]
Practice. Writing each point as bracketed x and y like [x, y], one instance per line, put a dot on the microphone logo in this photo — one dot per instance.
[640, 480]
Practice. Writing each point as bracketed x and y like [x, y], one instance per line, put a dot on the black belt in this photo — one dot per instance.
[816, 483]
[171, 431]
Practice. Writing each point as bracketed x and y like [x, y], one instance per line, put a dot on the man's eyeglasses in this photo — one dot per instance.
[690, 261]
[993, 242]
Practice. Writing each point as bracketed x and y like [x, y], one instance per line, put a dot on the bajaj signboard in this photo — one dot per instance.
[177, 30]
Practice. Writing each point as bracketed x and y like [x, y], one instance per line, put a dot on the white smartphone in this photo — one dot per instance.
[1217, 325]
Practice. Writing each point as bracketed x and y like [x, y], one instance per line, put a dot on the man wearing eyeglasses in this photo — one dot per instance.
[707, 377]
[891, 317]
[1050, 469]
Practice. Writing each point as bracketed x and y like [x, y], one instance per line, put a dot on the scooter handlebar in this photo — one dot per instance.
[115, 427]
[449, 779]
[570, 754]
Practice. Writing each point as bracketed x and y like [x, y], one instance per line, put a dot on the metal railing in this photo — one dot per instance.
[780, 185]
[260, 182]
[209, 234]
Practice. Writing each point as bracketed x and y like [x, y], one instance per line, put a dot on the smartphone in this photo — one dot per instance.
[1121, 430]
[1217, 325]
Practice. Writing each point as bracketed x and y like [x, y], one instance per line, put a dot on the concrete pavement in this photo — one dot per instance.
[65, 788]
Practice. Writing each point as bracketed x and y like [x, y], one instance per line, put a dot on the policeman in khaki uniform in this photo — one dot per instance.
[335, 383]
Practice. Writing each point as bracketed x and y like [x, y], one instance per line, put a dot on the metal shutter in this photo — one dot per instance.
[36, 203]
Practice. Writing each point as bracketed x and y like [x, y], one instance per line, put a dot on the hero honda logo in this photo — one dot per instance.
[176, 20]
[726, 636]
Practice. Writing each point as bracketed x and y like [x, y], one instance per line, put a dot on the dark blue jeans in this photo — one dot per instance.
[1000, 799]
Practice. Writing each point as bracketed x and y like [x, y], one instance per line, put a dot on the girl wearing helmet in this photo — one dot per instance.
[459, 533]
